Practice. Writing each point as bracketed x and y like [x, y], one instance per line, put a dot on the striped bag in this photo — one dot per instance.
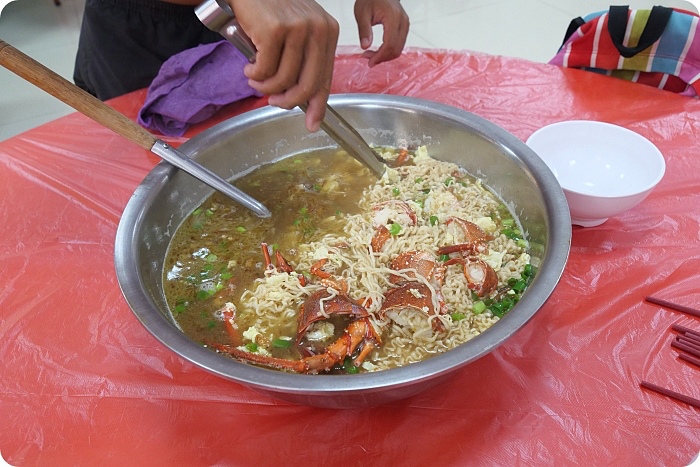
[658, 47]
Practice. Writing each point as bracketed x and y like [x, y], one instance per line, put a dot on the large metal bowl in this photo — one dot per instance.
[168, 195]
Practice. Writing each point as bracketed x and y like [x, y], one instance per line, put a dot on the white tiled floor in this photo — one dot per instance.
[530, 29]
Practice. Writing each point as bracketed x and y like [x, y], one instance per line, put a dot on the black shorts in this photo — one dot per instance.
[123, 43]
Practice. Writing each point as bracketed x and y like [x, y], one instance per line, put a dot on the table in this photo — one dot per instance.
[83, 383]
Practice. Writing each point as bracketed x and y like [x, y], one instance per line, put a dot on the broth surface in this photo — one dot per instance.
[215, 254]
[327, 214]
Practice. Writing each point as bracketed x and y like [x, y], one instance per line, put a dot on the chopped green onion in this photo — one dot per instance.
[211, 324]
[197, 212]
[513, 234]
[444, 258]
[433, 220]
[211, 257]
[179, 308]
[209, 213]
[521, 242]
[395, 229]
[350, 367]
[303, 210]
[317, 187]
[252, 347]
[203, 294]
[226, 276]
[281, 343]
[457, 316]
[419, 180]
[519, 286]
[448, 181]
[497, 309]
[478, 307]
[396, 191]
[240, 229]
[297, 161]
[508, 222]
[426, 191]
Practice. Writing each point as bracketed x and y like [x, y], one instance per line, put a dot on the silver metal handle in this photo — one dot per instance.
[218, 16]
[184, 163]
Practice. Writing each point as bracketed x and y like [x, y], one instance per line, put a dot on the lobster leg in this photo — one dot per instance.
[356, 333]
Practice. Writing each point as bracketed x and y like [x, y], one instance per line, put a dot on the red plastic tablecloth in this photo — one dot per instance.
[83, 383]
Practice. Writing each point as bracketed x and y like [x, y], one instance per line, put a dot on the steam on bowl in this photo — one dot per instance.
[604, 169]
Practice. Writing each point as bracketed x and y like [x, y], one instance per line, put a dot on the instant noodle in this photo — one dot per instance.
[351, 274]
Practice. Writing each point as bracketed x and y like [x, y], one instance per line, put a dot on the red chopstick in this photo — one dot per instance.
[687, 340]
[693, 344]
[674, 306]
[685, 348]
[689, 333]
[672, 394]
[689, 359]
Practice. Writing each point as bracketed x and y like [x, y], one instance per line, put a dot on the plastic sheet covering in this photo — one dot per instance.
[83, 383]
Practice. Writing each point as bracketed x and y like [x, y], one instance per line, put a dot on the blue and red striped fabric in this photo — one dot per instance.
[671, 63]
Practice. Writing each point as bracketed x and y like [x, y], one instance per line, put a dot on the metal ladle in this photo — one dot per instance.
[218, 16]
[40, 76]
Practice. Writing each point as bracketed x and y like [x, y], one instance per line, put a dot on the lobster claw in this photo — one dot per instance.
[320, 305]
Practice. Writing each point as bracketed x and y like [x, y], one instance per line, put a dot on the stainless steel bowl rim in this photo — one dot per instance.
[126, 262]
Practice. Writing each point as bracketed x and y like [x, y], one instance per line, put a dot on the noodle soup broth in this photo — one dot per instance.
[426, 258]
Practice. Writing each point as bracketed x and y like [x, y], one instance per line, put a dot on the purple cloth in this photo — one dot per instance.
[193, 85]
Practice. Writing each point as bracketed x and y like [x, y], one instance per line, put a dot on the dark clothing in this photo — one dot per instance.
[123, 43]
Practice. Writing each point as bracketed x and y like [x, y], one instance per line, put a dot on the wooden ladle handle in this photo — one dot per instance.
[67, 92]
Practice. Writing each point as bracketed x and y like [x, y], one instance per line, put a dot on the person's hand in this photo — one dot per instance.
[391, 15]
[296, 42]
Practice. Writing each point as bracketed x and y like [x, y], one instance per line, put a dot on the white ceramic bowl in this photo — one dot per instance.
[604, 169]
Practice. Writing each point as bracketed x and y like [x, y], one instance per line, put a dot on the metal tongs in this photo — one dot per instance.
[218, 16]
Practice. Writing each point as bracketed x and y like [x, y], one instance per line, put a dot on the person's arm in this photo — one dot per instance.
[394, 20]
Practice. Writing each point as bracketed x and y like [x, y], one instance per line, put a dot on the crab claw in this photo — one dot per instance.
[320, 305]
